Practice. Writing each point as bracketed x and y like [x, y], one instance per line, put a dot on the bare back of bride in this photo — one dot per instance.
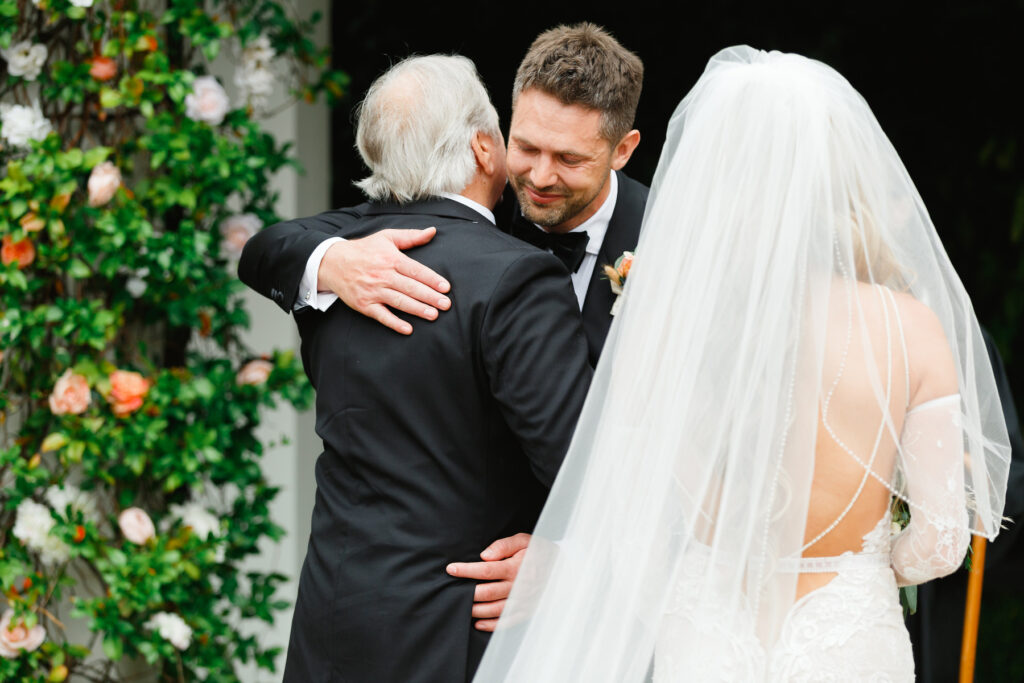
[795, 358]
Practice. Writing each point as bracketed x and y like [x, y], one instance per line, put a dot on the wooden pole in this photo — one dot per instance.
[972, 610]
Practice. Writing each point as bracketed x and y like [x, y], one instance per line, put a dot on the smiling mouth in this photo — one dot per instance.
[542, 198]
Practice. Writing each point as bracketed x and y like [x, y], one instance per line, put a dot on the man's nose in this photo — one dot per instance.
[542, 173]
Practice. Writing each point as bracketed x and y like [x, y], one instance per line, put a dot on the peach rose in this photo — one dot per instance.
[70, 394]
[627, 263]
[22, 252]
[127, 389]
[136, 525]
[103, 68]
[254, 372]
[31, 222]
[103, 183]
[18, 637]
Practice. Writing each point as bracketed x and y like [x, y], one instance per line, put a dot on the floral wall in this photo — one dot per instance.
[133, 498]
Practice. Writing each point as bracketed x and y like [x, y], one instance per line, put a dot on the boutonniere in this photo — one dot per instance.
[617, 277]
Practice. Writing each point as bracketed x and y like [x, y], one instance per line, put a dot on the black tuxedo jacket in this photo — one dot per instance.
[274, 260]
[435, 445]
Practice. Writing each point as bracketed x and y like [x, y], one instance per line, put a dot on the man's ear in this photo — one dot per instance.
[484, 151]
[624, 149]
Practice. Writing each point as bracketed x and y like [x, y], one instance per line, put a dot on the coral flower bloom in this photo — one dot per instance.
[22, 252]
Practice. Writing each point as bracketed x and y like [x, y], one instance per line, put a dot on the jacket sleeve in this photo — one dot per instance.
[273, 260]
[535, 355]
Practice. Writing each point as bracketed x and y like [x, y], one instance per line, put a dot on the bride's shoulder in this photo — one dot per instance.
[930, 359]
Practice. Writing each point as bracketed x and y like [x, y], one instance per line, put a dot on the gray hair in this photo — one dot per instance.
[415, 126]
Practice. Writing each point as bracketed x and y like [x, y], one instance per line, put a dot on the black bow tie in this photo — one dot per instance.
[569, 247]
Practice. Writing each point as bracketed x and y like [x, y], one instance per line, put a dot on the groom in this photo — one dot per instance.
[574, 101]
[435, 445]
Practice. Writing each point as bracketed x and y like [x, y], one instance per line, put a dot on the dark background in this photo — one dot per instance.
[943, 78]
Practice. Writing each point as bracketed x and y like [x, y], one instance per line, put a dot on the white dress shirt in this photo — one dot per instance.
[596, 226]
[321, 301]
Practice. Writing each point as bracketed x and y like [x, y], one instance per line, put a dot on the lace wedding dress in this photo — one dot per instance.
[850, 629]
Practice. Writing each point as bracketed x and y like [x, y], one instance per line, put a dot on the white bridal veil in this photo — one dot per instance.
[776, 193]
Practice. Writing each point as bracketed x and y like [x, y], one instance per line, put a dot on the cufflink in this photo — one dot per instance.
[308, 295]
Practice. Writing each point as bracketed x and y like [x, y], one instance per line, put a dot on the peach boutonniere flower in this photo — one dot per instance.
[617, 275]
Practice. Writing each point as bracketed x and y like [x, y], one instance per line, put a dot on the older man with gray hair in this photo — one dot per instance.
[434, 445]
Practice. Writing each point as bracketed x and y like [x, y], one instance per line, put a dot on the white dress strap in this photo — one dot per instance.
[903, 342]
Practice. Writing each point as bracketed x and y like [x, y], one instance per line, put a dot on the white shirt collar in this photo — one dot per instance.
[466, 201]
[597, 225]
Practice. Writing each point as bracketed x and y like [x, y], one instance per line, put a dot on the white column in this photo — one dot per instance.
[289, 463]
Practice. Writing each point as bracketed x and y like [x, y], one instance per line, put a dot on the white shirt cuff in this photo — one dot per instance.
[308, 296]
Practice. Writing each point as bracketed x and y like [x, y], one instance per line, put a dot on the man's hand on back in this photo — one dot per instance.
[372, 274]
[497, 572]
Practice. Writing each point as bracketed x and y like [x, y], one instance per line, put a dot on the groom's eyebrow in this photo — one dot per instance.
[519, 140]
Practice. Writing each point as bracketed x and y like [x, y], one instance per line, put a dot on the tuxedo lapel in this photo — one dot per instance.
[622, 235]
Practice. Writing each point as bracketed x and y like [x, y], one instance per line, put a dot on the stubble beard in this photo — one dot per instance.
[554, 215]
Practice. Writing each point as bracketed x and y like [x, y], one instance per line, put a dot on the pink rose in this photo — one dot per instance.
[103, 183]
[103, 68]
[14, 639]
[236, 231]
[127, 389]
[208, 102]
[254, 372]
[70, 394]
[136, 525]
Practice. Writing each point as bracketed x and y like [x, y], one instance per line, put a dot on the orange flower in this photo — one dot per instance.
[60, 202]
[205, 324]
[103, 68]
[127, 389]
[79, 533]
[22, 252]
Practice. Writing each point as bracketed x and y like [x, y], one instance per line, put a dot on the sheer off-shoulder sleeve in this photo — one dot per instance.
[932, 459]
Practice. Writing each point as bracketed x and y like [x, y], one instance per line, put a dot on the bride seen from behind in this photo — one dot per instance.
[794, 350]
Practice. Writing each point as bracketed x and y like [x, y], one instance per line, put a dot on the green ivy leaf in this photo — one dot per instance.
[113, 647]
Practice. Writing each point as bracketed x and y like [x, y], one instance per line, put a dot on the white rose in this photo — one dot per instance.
[32, 525]
[136, 286]
[258, 51]
[236, 230]
[104, 180]
[203, 523]
[207, 102]
[171, 628]
[25, 59]
[14, 639]
[254, 78]
[21, 124]
[255, 84]
[62, 497]
[136, 525]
